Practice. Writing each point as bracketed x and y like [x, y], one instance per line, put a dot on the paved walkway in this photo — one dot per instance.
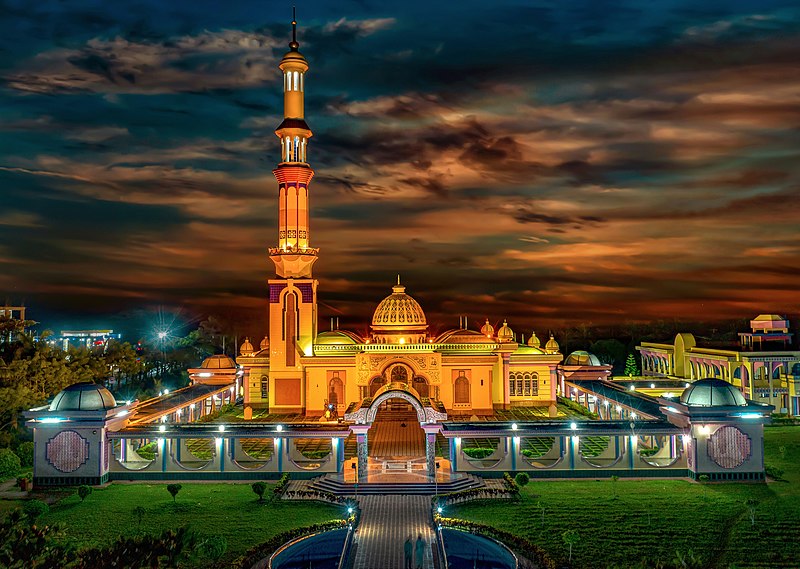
[386, 522]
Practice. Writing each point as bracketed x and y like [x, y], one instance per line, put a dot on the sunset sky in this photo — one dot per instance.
[548, 162]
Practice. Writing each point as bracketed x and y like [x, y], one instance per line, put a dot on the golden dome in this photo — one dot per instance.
[552, 347]
[487, 329]
[264, 343]
[505, 334]
[398, 311]
[246, 348]
[534, 341]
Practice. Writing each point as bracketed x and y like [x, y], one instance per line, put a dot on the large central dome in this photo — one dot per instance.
[399, 314]
[398, 309]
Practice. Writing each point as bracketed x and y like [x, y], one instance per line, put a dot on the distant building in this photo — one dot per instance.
[762, 368]
[11, 313]
[85, 338]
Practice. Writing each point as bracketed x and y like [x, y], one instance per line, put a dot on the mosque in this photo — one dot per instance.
[434, 410]
[298, 369]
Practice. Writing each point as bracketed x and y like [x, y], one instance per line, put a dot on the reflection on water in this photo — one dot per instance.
[321, 551]
[468, 551]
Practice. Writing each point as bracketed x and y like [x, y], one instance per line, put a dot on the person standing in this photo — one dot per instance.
[420, 552]
[408, 552]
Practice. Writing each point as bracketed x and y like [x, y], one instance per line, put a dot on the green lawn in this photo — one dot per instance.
[228, 510]
[654, 519]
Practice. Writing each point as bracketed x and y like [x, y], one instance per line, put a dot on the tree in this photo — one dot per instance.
[259, 488]
[174, 489]
[84, 491]
[138, 512]
[571, 538]
[752, 505]
[9, 462]
[522, 479]
[610, 352]
[631, 369]
[25, 453]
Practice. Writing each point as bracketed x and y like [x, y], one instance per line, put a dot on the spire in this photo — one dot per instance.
[398, 278]
[293, 45]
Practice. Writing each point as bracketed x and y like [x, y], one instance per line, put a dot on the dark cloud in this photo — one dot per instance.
[545, 163]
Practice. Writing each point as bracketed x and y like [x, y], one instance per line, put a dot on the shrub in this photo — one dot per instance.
[35, 508]
[9, 462]
[25, 454]
[522, 479]
[84, 491]
[259, 488]
[138, 512]
[212, 547]
[173, 489]
[774, 472]
[280, 487]
[478, 452]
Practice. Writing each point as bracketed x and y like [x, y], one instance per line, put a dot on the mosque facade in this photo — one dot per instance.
[298, 369]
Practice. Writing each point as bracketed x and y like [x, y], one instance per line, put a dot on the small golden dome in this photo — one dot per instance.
[487, 329]
[534, 341]
[264, 343]
[246, 348]
[505, 334]
[552, 347]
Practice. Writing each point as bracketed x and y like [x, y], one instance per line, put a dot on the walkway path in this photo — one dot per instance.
[396, 434]
[386, 522]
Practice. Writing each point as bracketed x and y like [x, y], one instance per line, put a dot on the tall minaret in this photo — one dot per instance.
[293, 294]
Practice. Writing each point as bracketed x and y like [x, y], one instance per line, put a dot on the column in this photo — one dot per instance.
[430, 448]
[362, 453]
[506, 397]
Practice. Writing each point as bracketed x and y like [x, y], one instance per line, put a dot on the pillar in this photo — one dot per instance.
[430, 448]
[506, 397]
[362, 453]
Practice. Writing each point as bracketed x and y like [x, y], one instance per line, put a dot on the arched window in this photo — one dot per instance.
[375, 384]
[512, 384]
[264, 387]
[461, 390]
[421, 385]
[399, 373]
[301, 81]
[296, 80]
[336, 390]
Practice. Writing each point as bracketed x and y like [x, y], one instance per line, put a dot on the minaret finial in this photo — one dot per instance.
[398, 278]
[294, 44]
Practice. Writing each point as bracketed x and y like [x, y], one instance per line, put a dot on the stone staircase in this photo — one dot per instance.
[331, 483]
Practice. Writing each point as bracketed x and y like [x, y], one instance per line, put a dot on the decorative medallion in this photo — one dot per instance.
[67, 451]
[729, 447]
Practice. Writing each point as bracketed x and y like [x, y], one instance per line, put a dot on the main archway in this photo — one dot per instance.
[396, 414]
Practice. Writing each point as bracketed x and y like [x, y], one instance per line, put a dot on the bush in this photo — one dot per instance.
[259, 488]
[173, 489]
[522, 479]
[35, 508]
[774, 472]
[9, 462]
[25, 454]
[84, 491]
[212, 547]
[478, 452]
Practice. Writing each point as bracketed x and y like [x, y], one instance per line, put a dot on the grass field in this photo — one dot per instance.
[227, 510]
[620, 523]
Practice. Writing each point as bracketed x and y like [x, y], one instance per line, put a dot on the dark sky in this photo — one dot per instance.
[549, 162]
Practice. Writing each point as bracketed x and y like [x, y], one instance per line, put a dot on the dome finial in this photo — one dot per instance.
[293, 44]
[398, 278]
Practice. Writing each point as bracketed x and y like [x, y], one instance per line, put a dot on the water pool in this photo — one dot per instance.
[469, 551]
[321, 551]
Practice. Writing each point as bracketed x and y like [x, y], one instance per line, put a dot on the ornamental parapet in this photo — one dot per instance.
[423, 347]
[293, 251]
